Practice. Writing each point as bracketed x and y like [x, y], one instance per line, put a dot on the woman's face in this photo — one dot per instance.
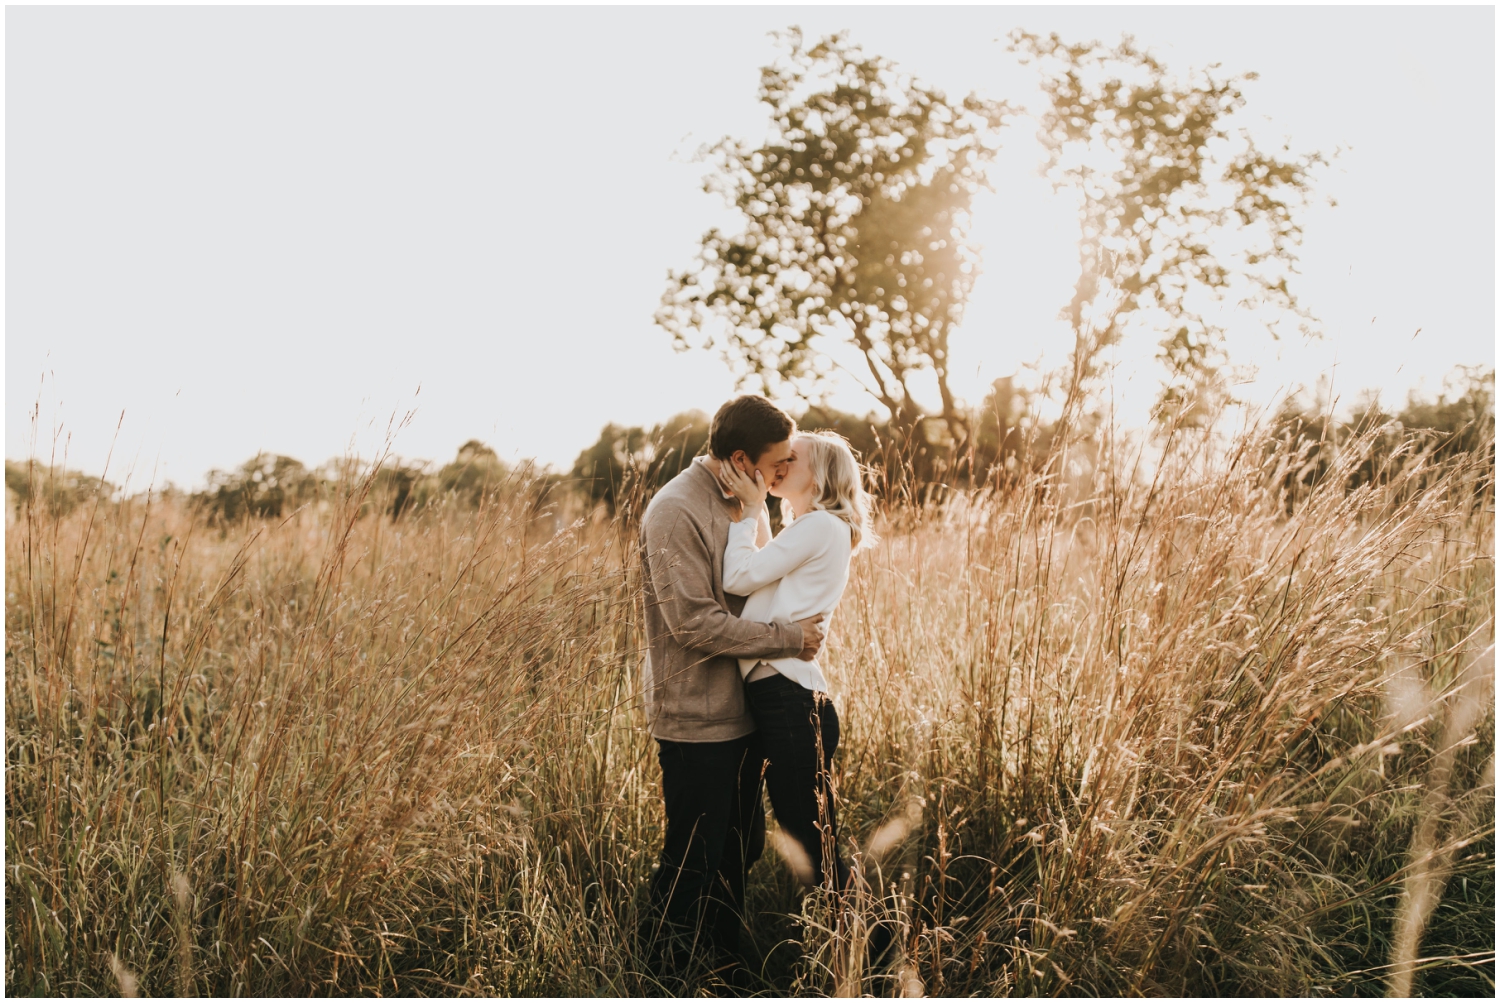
[797, 485]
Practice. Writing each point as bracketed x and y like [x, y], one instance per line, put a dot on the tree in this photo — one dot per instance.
[266, 485]
[55, 489]
[625, 462]
[856, 215]
[1177, 209]
[1461, 420]
[475, 472]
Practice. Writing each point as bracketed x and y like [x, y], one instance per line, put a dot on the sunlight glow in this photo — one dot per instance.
[291, 268]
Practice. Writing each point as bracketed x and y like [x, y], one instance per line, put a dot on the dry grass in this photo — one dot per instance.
[1166, 738]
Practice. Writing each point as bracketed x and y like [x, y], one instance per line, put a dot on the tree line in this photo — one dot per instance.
[1009, 441]
[625, 465]
[271, 485]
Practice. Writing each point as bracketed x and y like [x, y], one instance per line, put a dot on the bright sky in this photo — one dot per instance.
[264, 228]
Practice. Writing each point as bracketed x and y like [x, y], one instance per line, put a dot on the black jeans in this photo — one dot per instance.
[793, 722]
[716, 828]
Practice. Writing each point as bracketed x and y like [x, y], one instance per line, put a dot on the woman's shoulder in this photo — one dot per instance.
[819, 521]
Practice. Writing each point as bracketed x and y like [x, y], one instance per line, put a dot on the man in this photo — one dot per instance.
[695, 698]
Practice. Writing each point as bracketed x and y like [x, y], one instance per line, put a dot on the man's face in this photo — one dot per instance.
[772, 463]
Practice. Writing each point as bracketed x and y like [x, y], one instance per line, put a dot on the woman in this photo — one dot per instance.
[800, 573]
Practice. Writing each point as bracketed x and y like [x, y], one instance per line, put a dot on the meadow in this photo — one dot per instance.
[1177, 720]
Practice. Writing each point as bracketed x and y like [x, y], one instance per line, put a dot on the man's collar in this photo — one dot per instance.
[703, 460]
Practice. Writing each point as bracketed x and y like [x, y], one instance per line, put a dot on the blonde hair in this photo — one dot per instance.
[838, 487]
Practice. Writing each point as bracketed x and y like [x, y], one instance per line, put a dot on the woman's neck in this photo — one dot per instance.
[799, 506]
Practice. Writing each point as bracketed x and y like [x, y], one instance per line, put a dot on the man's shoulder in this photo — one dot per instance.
[691, 487]
[681, 497]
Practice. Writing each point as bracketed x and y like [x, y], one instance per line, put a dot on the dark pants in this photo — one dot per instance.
[799, 733]
[716, 828]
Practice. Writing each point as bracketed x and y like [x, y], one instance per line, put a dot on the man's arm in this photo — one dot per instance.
[677, 559]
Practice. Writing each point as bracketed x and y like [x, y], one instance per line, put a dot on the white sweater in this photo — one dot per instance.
[799, 574]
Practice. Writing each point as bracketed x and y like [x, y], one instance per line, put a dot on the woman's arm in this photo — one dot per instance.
[752, 495]
[762, 528]
[747, 569]
[680, 586]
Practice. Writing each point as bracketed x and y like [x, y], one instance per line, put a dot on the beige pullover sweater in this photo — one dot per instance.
[692, 682]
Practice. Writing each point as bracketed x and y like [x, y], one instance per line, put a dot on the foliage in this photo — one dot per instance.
[399, 486]
[855, 216]
[267, 484]
[626, 461]
[475, 472]
[1011, 442]
[626, 465]
[869, 435]
[1178, 208]
[1465, 421]
[1459, 421]
[55, 489]
[1173, 742]
[901, 471]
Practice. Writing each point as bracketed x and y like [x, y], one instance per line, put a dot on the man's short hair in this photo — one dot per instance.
[751, 423]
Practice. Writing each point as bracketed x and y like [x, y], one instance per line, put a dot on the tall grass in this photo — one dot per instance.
[1173, 734]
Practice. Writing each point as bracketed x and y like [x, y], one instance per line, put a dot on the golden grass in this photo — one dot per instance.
[1162, 737]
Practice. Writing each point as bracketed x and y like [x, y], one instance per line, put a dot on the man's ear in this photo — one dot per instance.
[741, 461]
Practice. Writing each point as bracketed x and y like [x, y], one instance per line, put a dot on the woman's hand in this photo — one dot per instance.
[751, 491]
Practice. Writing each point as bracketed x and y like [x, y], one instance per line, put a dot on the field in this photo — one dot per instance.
[1192, 726]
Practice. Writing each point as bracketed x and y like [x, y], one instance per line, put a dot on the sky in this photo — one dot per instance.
[273, 228]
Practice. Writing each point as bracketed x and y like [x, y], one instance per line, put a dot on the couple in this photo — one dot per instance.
[734, 622]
